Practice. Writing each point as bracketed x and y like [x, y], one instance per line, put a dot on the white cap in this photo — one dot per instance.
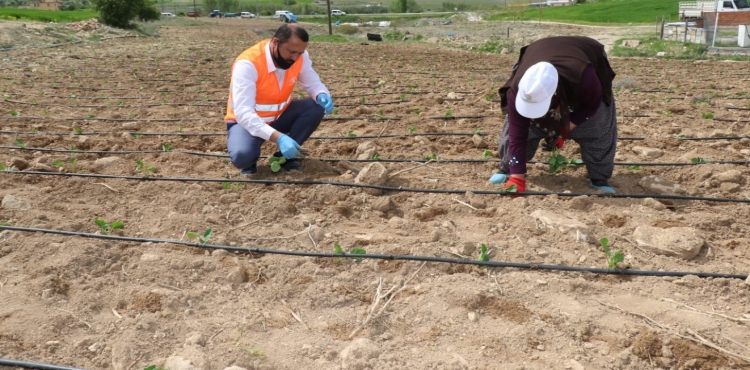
[535, 90]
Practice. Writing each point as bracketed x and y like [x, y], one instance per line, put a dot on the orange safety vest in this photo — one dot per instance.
[270, 101]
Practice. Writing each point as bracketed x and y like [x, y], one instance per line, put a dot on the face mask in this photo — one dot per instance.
[279, 61]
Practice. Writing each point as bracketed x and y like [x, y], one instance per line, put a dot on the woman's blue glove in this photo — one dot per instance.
[325, 101]
[288, 146]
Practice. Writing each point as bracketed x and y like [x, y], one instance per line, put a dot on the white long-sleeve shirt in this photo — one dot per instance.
[244, 77]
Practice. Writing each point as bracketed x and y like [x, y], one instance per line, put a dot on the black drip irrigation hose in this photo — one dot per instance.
[110, 106]
[34, 365]
[137, 133]
[392, 257]
[21, 118]
[383, 160]
[378, 187]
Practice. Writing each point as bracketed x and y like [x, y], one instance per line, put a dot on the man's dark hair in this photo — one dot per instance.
[285, 32]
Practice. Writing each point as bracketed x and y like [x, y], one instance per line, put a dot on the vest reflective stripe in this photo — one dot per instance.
[270, 99]
[272, 107]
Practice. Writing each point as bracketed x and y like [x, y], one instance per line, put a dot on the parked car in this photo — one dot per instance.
[194, 14]
[337, 12]
[247, 15]
[167, 15]
[231, 15]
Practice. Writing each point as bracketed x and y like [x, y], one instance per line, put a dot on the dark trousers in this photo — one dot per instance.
[298, 121]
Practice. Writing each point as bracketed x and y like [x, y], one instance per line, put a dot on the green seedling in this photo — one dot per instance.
[58, 163]
[431, 157]
[697, 160]
[666, 112]
[707, 115]
[78, 130]
[276, 163]
[180, 130]
[487, 154]
[254, 352]
[202, 239]
[510, 189]
[559, 162]
[402, 97]
[489, 97]
[166, 147]
[335, 112]
[412, 130]
[380, 113]
[362, 100]
[145, 169]
[73, 148]
[449, 113]
[612, 258]
[338, 250]
[14, 113]
[90, 116]
[483, 255]
[2, 167]
[634, 168]
[376, 157]
[351, 134]
[6, 223]
[681, 136]
[236, 186]
[153, 367]
[107, 227]
[417, 112]
[20, 143]
[136, 135]
[477, 131]
[34, 102]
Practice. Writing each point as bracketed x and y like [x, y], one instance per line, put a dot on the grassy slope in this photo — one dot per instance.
[47, 15]
[602, 11]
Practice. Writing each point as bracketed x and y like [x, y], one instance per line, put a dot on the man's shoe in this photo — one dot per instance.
[248, 172]
[292, 165]
[602, 185]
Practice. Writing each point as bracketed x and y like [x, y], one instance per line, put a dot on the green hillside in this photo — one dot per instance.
[601, 11]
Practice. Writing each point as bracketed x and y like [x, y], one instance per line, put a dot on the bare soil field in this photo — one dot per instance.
[130, 129]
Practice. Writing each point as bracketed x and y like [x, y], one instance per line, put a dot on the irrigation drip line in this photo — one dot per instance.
[379, 103]
[735, 108]
[92, 97]
[126, 88]
[731, 120]
[21, 118]
[392, 257]
[378, 187]
[94, 133]
[382, 160]
[34, 365]
[111, 106]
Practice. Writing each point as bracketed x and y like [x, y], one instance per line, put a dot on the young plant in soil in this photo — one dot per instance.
[700, 160]
[338, 250]
[376, 157]
[202, 239]
[235, 186]
[276, 163]
[351, 134]
[144, 168]
[613, 258]
[487, 154]
[483, 255]
[20, 143]
[558, 162]
[107, 227]
[412, 130]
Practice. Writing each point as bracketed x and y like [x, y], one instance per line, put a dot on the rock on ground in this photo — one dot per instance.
[682, 242]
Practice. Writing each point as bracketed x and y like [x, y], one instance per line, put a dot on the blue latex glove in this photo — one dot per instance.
[325, 101]
[288, 146]
[499, 178]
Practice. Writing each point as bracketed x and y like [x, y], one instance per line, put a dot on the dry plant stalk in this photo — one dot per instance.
[381, 301]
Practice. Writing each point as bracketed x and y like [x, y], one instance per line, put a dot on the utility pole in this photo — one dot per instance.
[162, 6]
[330, 28]
[194, 6]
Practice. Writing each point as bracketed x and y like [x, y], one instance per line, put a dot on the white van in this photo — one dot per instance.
[279, 13]
[337, 12]
[167, 14]
[247, 15]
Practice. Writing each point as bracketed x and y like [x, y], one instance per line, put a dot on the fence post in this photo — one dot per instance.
[661, 36]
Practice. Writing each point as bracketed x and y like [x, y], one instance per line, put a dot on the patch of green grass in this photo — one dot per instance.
[328, 38]
[47, 15]
[600, 11]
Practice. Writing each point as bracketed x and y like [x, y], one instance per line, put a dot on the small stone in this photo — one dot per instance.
[13, 202]
[94, 347]
[478, 142]
[238, 275]
[653, 203]
[682, 242]
[234, 367]
[366, 150]
[134, 126]
[47, 293]
[106, 161]
[179, 363]
[360, 350]
[541, 282]
[650, 153]
[658, 185]
[732, 176]
[150, 257]
[472, 317]
[229, 198]
[575, 365]
[467, 249]
[195, 338]
[219, 253]
[435, 235]
[582, 259]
